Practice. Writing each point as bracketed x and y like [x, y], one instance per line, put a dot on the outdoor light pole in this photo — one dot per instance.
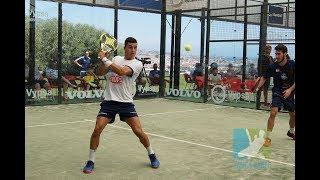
[177, 43]
[236, 10]
[172, 49]
[162, 49]
[59, 51]
[287, 14]
[32, 43]
[203, 24]
[115, 30]
[262, 43]
[245, 32]
[205, 96]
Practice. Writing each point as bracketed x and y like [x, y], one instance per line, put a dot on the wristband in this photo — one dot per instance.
[106, 61]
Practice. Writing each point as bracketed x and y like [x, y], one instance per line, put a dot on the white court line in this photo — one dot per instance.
[175, 112]
[207, 146]
[86, 120]
[71, 122]
[165, 137]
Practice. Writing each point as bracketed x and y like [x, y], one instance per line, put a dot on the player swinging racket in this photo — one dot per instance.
[283, 73]
[121, 73]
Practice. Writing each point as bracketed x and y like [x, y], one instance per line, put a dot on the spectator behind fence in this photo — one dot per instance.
[91, 79]
[52, 74]
[266, 61]
[26, 72]
[141, 79]
[252, 72]
[214, 77]
[84, 62]
[230, 71]
[40, 82]
[198, 76]
[198, 70]
[154, 76]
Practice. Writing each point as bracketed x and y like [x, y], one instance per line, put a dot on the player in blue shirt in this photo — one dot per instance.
[283, 73]
[154, 75]
[84, 63]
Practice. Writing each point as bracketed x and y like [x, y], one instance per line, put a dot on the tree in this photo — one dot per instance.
[76, 39]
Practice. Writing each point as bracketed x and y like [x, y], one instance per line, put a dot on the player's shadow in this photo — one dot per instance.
[143, 164]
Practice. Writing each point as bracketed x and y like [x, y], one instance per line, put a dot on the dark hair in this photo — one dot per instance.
[267, 46]
[288, 57]
[54, 58]
[282, 48]
[214, 65]
[129, 40]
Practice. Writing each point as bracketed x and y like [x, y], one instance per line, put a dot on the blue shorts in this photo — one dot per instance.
[286, 103]
[110, 109]
[83, 73]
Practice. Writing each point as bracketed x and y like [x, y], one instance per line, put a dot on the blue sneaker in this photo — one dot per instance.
[154, 161]
[88, 169]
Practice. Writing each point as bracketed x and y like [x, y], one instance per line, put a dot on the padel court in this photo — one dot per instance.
[191, 140]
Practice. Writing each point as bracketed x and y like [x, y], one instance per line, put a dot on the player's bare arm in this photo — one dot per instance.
[77, 63]
[261, 82]
[102, 68]
[121, 71]
[288, 91]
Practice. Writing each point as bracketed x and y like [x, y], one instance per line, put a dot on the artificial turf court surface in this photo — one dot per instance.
[191, 140]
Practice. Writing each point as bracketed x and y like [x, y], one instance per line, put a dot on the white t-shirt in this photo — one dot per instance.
[52, 73]
[214, 79]
[121, 88]
[26, 71]
[37, 74]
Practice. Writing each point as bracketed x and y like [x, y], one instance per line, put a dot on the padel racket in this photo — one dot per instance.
[108, 43]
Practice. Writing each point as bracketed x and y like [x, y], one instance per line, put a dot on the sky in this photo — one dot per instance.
[145, 27]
